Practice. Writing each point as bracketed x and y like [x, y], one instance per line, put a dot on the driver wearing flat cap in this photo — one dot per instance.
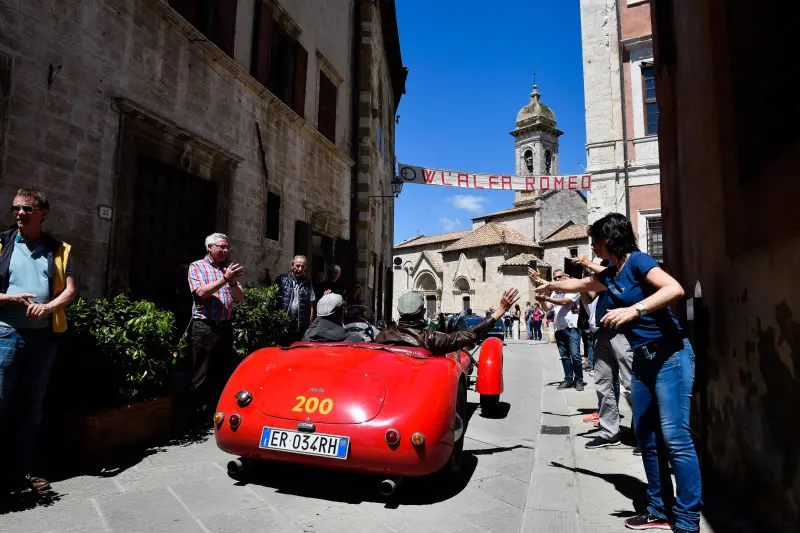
[327, 327]
[412, 329]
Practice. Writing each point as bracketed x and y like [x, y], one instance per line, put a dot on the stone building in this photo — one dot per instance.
[471, 269]
[622, 116]
[729, 149]
[153, 123]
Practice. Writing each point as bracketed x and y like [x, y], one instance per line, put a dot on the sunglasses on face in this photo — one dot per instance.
[22, 209]
[557, 277]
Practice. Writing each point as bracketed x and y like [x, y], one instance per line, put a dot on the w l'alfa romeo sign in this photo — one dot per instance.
[471, 180]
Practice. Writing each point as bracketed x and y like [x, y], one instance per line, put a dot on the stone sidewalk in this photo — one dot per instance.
[576, 490]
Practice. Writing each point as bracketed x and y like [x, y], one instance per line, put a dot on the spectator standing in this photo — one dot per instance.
[528, 317]
[639, 293]
[298, 299]
[568, 338]
[537, 316]
[36, 284]
[334, 282]
[517, 321]
[214, 284]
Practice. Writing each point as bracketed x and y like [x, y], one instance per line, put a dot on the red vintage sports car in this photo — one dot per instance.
[367, 407]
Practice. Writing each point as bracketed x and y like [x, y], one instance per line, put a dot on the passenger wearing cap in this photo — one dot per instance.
[411, 330]
[327, 326]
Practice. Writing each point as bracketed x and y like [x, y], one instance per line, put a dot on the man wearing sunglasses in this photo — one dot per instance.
[36, 284]
[568, 337]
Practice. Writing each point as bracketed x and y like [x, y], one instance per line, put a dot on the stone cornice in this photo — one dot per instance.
[272, 102]
[536, 127]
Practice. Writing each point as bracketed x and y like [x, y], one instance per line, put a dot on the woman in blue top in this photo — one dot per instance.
[639, 292]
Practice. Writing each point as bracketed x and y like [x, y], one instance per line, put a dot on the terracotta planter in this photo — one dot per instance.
[102, 433]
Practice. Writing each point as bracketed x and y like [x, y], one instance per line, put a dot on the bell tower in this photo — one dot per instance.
[535, 143]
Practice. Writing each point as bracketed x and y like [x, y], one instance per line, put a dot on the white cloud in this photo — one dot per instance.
[450, 225]
[470, 203]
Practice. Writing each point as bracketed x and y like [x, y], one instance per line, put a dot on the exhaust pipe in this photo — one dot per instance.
[389, 485]
[237, 466]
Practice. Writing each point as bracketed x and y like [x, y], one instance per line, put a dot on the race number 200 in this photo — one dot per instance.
[312, 404]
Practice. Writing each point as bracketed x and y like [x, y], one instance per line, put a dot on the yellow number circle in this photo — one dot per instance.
[325, 406]
[312, 404]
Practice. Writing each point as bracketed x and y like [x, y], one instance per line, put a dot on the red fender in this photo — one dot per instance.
[490, 368]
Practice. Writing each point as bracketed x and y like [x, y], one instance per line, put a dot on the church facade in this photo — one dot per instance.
[470, 269]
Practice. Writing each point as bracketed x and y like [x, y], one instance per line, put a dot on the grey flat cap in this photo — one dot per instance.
[329, 304]
[410, 303]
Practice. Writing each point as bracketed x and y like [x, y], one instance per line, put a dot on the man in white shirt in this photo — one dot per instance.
[568, 337]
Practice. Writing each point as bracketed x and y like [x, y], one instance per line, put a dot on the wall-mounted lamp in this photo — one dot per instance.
[397, 188]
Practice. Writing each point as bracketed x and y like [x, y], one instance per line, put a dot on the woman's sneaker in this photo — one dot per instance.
[602, 442]
[646, 521]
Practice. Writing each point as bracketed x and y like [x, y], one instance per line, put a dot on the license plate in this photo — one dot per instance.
[284, 440]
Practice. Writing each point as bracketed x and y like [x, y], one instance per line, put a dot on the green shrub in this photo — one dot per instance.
[129, 348]
[259, 320]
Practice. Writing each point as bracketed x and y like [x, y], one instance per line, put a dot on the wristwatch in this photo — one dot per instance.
[641, 309]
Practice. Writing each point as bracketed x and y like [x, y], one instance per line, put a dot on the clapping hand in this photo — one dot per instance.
[37, 311]
[542, 286]
[234, 272]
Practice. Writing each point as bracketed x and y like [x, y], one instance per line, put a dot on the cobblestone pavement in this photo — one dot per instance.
[516, 479]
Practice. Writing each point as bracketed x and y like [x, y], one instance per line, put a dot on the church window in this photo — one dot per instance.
[482, 262]
[573, 252]
[650, 104]
[548, 160]
[528, 162]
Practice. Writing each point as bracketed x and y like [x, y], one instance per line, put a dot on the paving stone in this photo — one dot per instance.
[262, 519]
[147, 511]
[149, 478]
[547, 521]
[86, 486]
[216, 496]
[59, 516]
[501, 519]
[505, 488]
[553, 490]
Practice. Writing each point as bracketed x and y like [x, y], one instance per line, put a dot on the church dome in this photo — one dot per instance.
[536, 112]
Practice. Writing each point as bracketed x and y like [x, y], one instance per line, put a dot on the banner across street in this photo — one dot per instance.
[472, 180]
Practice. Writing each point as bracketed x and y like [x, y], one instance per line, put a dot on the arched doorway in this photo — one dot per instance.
[426, 284]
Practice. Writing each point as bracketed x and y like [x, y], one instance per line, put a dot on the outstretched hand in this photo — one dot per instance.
[509, 298]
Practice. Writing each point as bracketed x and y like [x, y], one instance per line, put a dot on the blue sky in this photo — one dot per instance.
[471, 68]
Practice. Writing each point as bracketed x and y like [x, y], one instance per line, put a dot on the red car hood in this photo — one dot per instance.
[317, 390]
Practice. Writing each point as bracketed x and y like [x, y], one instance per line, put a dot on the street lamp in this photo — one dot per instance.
[397, 188]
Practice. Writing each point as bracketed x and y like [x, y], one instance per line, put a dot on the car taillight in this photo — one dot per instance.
[417, 439]
[392, 437]
[234, 420]
[218, 418]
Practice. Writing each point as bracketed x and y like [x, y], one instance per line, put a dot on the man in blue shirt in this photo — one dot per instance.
[36, 285]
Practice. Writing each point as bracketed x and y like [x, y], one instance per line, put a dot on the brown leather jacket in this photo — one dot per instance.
[416, 334]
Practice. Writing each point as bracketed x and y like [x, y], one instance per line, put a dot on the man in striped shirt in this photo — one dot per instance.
[214, 282]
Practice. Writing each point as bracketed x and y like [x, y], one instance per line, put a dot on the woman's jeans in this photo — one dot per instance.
[26, 359]
[661, 388]
[537, 329]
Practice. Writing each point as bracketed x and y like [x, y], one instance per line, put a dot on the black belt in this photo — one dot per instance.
[655, 347]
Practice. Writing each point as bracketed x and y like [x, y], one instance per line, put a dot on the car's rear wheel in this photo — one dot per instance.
[489, 403]
[452, 467]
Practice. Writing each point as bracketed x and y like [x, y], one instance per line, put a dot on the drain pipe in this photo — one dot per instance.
[624, 113]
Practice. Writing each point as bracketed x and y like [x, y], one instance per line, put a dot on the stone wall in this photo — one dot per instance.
[558, 209]
[114, 56]
[733, 230]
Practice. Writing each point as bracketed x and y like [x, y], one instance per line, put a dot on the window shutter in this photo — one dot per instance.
[262, 43]
[300, 67]
[226, 25]
[326, 115]
[302, 238]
